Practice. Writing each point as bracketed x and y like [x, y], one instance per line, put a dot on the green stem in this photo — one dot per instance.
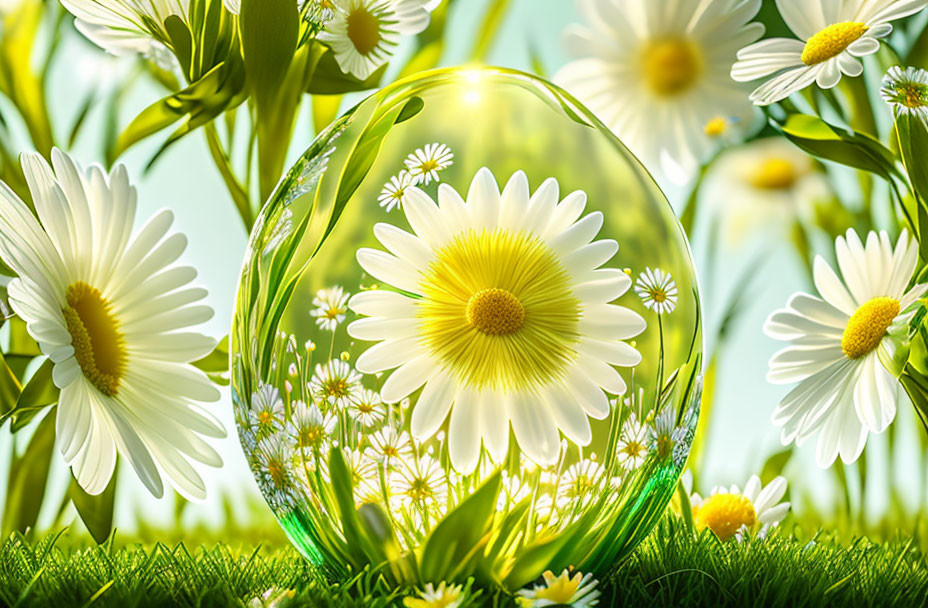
[686, 508]
[221, 160]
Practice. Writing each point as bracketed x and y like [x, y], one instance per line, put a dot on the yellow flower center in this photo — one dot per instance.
[634, 449]
[363, 29]
[365, 408]
[498, 310]
[657, 294]
[832, 41]
[774, 173]
[333, 312]
[419, 489]
[716, 127]
[724, 514]
[336, 387]
[671, 66]
[264, 417]
[99, 346]
[311, 436]
[560, 590]
[428, 165]
[664, 445]
[495, 312]
[867, 326]
[277, 472]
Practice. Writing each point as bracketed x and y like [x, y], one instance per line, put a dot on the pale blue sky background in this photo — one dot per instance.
[186, 181]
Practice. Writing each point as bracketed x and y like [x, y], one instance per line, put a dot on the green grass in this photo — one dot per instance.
[670, 569]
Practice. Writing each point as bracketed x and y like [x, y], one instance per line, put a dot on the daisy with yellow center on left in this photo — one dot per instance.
[840, 344]
[731, 512]
[364, 34]
[656, 72]
[578, 591]
[906, 91]
[507, 317]
[114, 315]
[833, 38]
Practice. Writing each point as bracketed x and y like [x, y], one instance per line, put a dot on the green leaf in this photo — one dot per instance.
[774, 465]
[9, 390]
[325, 111]
[848, 148]
[39, 393]
[95, 511]
[491, 23]
[328, 78]
[912, 138]
[410, 109]
[270, 32]
[450, 548]
[28, 478]
[360, 548]
[216, 364]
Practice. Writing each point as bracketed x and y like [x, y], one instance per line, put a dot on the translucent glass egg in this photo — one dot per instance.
[467, 338]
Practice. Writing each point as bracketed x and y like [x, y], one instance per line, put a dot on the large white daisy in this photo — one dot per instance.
[113, 313]
[364, 34]
[506, 317]
[126, 26]
[837, 342]
[833, 37]
[657, 73]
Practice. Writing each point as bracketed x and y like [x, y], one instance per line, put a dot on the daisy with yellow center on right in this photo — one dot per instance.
[833, 38]
[364, 34]
[578, 591]
[729, 512]
[425, 163]
[906, 91]
[114, 315]
[509, 318]
[657, 73]
[840, 343]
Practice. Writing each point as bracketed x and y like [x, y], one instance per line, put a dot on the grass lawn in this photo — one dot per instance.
[670, 569]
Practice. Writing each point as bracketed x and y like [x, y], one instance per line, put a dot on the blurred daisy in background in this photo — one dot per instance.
[115, 316]
[758, 190]
[364, 34]
[492, 343]
[267, 410]
[657, 72]
[577, 590]
[330, 307]
[128, 26]
[425, 163]
[367, 408]
[906, 91]
[833, 38]
[335, 384]
[632, 446]
[840, 344]
[394, 191]
[729, 511]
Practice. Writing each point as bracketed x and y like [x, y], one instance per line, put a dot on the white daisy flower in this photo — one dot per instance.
[367, 408]
[330, 307]
[128, 26]
[759, 189]
[510, 318]
[906, 91]
[424, 164]
[394, 191]
[632, 446]
[578, 591]
[364, 34]
[578, 484]
[662, 442]
[310, 428]
[833, 38]
[335, 383]
[656, 72]
[442, 596]
[837, 343]
[387, 445]
[657, 290]
[729, 511]
[421, 481]
[275, 475]
[267, 410]
[113, 314]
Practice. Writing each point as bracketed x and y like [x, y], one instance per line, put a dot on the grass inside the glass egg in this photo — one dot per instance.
[670, 568]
